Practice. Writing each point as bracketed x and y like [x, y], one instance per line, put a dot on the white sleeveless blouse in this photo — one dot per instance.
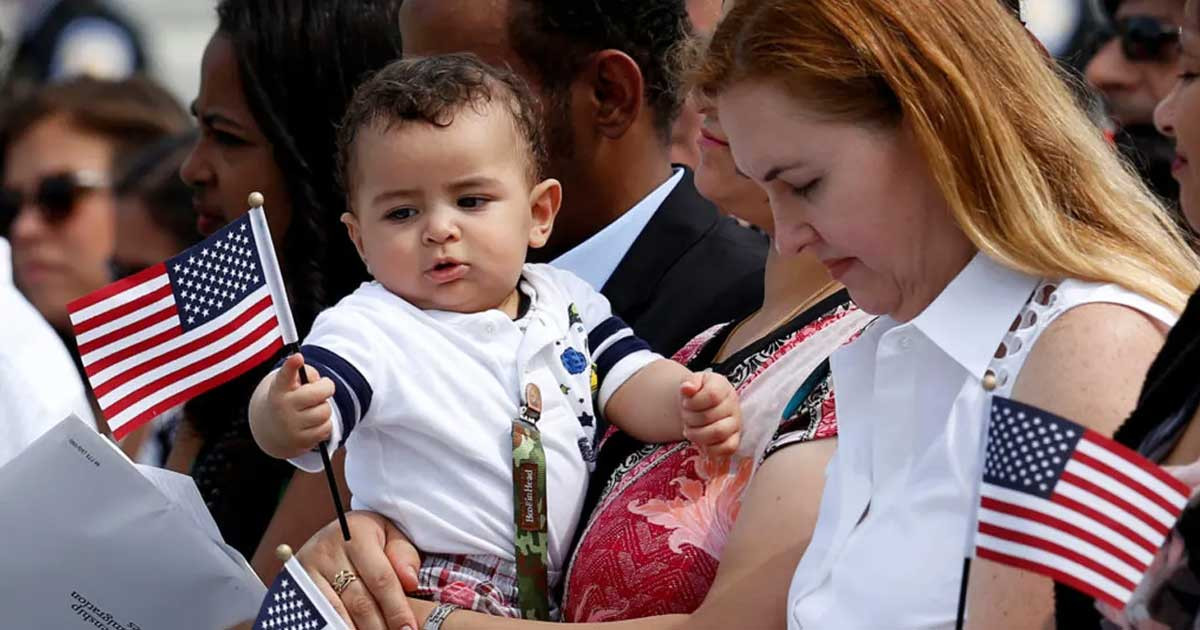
[887, 549]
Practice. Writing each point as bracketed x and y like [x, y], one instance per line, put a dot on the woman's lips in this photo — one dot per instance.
[34, 272]
[838, 266]
[446, 273]
[207, 224]
[708, 139]
[1179, 163]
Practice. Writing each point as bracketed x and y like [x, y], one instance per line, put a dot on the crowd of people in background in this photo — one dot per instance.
[868, 218]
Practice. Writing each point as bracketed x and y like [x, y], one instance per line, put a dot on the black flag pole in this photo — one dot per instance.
[962, 594]
[989, 384]
[291, 340]
[294, 348]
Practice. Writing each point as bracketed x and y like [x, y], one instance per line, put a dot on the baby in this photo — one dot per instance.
[469, 387]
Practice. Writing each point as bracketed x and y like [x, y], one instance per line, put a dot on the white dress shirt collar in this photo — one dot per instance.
[597, 258]
[5, 263]
[987, 313]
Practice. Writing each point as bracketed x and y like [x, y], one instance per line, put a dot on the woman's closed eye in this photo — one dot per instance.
[804, 190]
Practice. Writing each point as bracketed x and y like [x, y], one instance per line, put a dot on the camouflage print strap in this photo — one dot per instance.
[529, 509]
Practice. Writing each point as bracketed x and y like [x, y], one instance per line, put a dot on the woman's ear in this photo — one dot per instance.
[544, 202]
[355, 232]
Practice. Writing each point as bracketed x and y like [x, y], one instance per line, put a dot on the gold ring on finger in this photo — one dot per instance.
[342, 580]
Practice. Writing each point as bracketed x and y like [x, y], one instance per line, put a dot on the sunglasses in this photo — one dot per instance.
[55, 197]
[1143, 38]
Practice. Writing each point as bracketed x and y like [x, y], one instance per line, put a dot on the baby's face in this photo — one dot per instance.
[444, 216]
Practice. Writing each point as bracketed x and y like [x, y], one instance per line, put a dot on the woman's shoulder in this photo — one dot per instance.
[1088, 351]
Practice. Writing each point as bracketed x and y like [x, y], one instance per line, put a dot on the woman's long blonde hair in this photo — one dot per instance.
[1027, 176]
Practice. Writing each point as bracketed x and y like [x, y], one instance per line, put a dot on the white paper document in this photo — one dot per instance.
[88, 539]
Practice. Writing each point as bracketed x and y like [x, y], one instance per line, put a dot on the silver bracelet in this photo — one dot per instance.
[439, 614]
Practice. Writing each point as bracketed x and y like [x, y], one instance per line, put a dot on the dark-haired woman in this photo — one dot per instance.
[275, 79]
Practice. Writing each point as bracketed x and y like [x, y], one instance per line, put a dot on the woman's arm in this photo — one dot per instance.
[305, 508]
[1088, 367]
[756, 569]
[184, 448]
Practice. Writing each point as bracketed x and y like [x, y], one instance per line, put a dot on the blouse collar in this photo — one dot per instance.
[971, 316]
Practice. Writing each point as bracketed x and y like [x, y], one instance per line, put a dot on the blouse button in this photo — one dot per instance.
[989, 380]
[906, 343]
[490, 328]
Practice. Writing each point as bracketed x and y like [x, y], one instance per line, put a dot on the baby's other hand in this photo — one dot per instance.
[712, 416]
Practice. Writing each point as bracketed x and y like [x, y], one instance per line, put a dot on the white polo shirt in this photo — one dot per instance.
[425, 402]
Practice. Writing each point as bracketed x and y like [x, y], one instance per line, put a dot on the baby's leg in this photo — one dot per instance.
[486, 584]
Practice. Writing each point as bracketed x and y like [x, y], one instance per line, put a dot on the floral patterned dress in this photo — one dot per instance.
[661, 513]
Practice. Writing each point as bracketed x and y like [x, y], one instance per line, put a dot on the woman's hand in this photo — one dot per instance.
[1188, 473]
[383, 559]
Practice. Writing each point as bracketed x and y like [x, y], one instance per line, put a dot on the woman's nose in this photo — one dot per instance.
[195, 170]
[1164, 113]
[792, 236]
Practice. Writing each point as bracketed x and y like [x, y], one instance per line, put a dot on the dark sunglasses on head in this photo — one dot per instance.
[1144, 38]
[55, 197]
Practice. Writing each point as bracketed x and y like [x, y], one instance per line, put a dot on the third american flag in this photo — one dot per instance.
[1063, 501]
[157, 338]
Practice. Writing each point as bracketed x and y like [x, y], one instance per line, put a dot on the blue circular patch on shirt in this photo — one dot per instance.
[574, 361]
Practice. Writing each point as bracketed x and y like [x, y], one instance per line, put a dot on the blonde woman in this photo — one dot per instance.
[938, 166]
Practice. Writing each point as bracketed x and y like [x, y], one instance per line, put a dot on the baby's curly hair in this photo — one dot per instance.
[432, 90]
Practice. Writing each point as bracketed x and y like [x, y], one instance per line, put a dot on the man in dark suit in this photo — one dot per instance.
[631, 224]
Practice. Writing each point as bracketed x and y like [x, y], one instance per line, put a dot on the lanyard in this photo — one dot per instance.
[529, 508]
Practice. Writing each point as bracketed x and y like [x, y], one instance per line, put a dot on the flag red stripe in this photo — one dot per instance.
[1127, 481]
[1076, 480]
[125, 331]
[116, 287]
[133, 397]
[137, 348]
[197, 389]
[1097, 515]
[123, 310]
[1124, 452]
[1052, 573]
[1056, 549]
[186, 348]
[1063, 526]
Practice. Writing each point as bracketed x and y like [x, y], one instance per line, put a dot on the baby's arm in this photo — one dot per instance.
[666, 402]
[287, 418]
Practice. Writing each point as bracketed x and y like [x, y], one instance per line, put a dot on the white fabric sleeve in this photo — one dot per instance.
[615, 349]
[311, 461]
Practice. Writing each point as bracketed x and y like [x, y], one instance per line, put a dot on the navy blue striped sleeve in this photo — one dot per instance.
[610, 341]
[352, 392]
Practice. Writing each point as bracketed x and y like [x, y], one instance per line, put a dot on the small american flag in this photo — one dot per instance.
[1063, 501]
[155, 339]
[294, 603]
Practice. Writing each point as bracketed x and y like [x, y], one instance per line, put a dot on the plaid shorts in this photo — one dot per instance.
[486, 584]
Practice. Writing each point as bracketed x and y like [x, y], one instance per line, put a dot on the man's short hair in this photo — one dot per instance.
[554, 38]
[432, 90]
